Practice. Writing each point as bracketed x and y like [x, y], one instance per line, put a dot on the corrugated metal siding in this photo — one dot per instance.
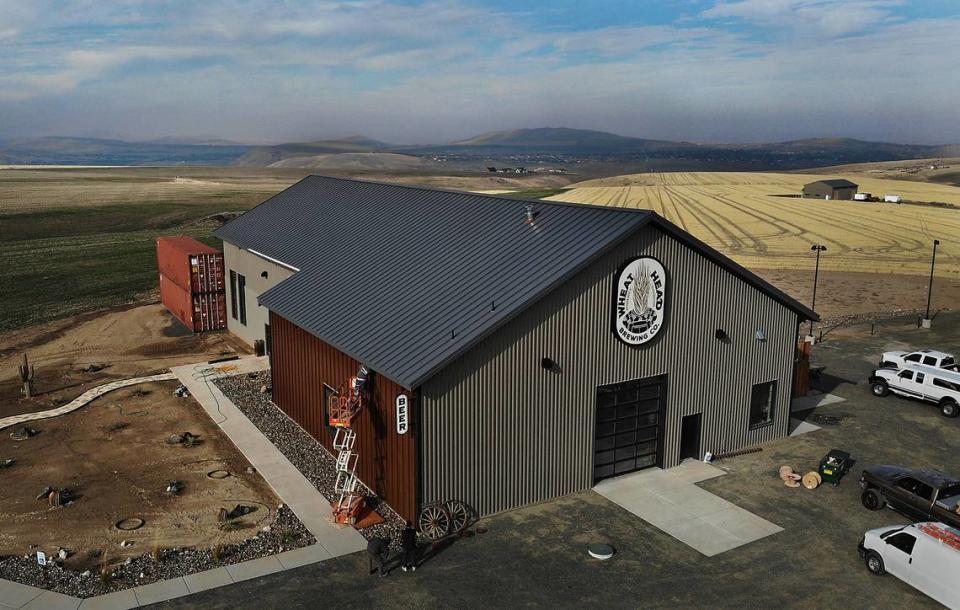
[301, 365]
[498, 431]
[368, 253]
[375, 250]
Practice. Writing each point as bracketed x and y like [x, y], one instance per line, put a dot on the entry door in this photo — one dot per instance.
[627, 436]
[690, 436]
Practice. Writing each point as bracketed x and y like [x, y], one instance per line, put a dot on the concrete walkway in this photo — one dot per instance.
[296, 491]
[293, 488]
[82, 400]
[812, 402]
[670, 501]
[15, 595]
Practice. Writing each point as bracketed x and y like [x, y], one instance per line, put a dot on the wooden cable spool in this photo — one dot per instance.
[812, 480]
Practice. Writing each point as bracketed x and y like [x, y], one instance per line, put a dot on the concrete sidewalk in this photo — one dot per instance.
[293, 488]
[670, 501]
[812, 402]
[82, 400]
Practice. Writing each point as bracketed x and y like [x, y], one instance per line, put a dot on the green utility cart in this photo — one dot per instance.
[833, 466]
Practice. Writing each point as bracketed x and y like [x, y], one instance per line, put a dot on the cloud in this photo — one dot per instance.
[821, 16]
[444, 69]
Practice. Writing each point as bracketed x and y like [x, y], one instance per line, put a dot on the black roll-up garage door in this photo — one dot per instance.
[629, 418]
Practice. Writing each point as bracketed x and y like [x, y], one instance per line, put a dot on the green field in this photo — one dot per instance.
[77, 240]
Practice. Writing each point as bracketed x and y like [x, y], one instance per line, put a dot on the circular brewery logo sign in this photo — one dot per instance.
[638, 308]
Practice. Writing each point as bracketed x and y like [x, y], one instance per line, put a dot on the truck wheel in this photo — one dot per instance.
[949, 408]
[879, 388]
[872, 499]
[875, 563]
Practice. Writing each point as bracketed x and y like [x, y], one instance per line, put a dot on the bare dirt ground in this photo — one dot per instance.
[113, 453]
[127, 342]
[843, 294]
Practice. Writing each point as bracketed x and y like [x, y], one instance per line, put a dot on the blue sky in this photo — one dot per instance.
[408, 71]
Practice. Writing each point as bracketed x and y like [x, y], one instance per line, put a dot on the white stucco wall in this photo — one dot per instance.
[252, 268]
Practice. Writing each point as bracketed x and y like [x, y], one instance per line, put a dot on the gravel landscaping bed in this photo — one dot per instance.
[306, 453]
[285, 533]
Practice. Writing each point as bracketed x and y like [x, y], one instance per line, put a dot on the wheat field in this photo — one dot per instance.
[741, 215]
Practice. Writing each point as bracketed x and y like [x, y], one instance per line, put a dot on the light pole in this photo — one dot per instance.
[816, 273]
[933, 261]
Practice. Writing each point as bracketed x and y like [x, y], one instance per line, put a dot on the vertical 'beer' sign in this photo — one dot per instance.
[403, 421]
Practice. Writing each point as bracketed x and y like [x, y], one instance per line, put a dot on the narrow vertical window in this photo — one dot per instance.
[242, 297]
[233, 294]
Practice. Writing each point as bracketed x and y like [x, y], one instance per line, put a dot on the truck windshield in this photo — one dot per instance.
[950, 497]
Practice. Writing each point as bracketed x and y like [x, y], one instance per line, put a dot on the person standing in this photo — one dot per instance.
[409, 542]
[378, 551]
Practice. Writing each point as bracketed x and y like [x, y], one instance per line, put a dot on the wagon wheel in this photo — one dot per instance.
[459, 515]
[434, 521]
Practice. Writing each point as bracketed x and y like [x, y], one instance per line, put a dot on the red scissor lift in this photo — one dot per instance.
[343, 410]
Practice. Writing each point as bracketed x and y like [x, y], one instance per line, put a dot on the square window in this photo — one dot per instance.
[763, 398]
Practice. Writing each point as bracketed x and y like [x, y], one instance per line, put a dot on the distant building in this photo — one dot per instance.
[829, 189]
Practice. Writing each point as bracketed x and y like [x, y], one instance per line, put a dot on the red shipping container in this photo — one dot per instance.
[199, 312]
[190, 264]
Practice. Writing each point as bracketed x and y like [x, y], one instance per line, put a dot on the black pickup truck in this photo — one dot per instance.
[925, 495]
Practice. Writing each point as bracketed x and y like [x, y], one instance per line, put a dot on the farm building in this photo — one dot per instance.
[830, 189]
[520, 351]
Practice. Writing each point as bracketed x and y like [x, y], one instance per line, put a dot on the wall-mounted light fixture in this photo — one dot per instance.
[722, 335]
[263, 274]
[547, 363]
[761, 336]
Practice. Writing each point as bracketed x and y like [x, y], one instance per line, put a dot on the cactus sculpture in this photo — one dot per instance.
[26, 376]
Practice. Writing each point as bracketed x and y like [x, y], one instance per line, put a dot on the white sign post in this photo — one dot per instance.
[403, 422]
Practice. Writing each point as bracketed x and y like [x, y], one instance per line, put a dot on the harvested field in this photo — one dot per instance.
[751, 218]
[115, 456]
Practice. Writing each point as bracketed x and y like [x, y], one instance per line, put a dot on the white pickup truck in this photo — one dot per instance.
[927, 357]
[930, 384]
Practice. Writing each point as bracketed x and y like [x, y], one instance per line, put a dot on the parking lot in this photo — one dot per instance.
[536, 556]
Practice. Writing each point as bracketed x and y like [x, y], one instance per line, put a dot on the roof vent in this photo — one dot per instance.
[531, 214]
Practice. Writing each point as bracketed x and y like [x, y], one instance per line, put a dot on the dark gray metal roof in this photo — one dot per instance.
[837, 183]
[405, 279]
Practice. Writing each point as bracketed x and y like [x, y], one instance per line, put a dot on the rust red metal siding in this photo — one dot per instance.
[199, 312]
[302, 364]
[190, 264]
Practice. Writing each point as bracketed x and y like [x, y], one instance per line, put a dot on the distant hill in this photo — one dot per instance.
[564, 138]
[194, 141]
[95, 151]
[358, 162]
[525, 147]
[665, 155]
[259, 156]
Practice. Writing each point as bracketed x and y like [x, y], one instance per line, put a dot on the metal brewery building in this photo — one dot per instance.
[530, 349]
